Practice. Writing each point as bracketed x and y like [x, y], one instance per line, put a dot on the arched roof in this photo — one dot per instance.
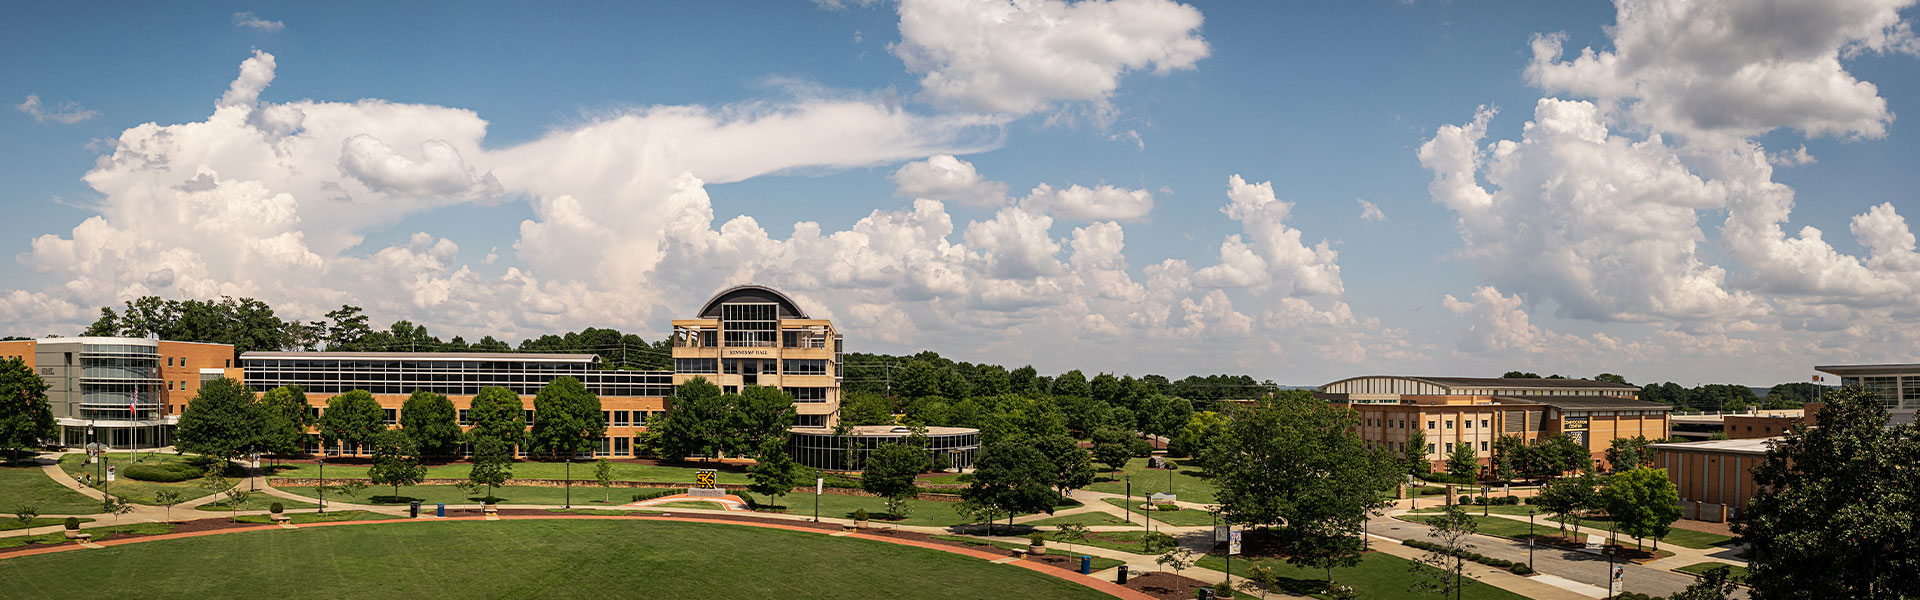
[752, 293]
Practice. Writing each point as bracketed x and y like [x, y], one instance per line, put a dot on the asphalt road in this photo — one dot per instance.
[1590, 569]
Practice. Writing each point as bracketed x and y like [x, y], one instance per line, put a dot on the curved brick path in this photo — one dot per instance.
[1102, 586]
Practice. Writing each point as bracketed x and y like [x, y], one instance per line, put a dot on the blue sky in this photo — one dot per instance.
[511, 170]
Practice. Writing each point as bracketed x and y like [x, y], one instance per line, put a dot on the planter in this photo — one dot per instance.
[860, 524]
[1037, 550]
[490, 508]
[74, 534]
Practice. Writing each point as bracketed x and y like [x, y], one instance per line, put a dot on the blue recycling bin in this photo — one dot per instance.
[441, 511]
[1086, 565]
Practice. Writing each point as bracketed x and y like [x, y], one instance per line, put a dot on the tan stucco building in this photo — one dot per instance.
[755, 335]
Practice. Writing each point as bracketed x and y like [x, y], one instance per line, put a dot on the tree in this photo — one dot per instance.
[1325, 552]
[1556, 455]
[1626, 454]
[866, 409]
[1642, 503]
[1110, 447]
[1295, 460]
[932, 412]
[497, 413]
[1179, 558]
[566, 418]
[761, 415]
[1199, 432]
[222, 421]
[352, 419]
[168, 498]
[603, 475]
[693, 421]
[1071, 383]
[492, 463]
[1611, 378]
[1072, 465]
[1511, 457]
[916, 379]
[26, 419]
[1260, 579]
[396, 461]
[891, 472]
[285, 418]
[1834, 507]
[1566, 497]
[775, 473]
[1715, 584]
[1011, 478]
[1444, 567]
[432, 423]
[1461, 460]
[1414, 454]
[25, 514]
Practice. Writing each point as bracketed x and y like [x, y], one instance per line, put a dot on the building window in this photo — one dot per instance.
[622, 446]
[1429, 424]
[1483, 446]
[1449, 447]
[640, 418]
[807, 394]
[696, 365]
[390, 415]
[463, 417]
[619, 418]
[1483, 423]
[810, 421]
[1449, 423]
[810, 366]
[729, 389]
[1429, 449]
[529, 417]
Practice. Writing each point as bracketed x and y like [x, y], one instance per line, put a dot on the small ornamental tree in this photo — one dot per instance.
[1415, 454]
[1642, 503]
[25, 514]
[1461, 462]
[167, 498]
[891, 473]
[775, 473]
[396, 461]
[1443, 568]
[431, 422]
[492, 464]
[603, 475]
[26, 419]
[1566, 497]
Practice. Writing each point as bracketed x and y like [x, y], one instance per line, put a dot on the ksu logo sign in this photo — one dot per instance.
[703, 479]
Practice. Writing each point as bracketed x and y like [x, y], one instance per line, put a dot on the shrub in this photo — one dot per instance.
[653, 494]
[860, 514]
[1464, 500]
[277, 508]
[1166, 508]
[72, 523]
[157, 473]
[1520, 569]
[1037, 539]
[1222, 590]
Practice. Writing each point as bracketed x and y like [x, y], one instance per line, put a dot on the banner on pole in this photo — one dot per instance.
[819, 485]
[1233, 542]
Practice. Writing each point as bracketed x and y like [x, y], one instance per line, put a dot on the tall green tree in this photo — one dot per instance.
[891, 471]
[1010, 478]
[396, 461]
[432, 422]
[1199, 432]
[1835, 507]
[1072, 383]
[695, 420]
[1294, 460]
[566, 418]
[492, 463]
[352, 419]
[1642, 502]
[286, 417]
[1566, 497]
[1111, 447]
[223, 421]
[1556, 455]
[497, 413]
[761, 414]
[862, 408]
[1072, 465]
[26, 419]
[1414, 454]
[917, 378]
[774, 473]
[1511, 457]
[1626, 454]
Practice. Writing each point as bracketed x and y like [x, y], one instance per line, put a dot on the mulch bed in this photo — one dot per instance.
[1167, 586]
[207, 524]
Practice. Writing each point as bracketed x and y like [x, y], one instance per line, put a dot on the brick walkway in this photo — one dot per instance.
[1102, 586]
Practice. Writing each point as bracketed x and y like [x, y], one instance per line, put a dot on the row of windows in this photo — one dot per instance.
[454, 389]
[182, 360]
[437, 366]
[117, 349]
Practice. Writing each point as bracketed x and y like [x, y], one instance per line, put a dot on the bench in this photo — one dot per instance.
[491, 510]
[280, 517]
[74, 534]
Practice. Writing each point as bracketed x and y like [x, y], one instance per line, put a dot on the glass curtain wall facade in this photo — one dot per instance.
[953, 447]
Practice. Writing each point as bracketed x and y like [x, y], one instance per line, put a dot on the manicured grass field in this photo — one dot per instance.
[259, 501]
[1100, 563]
[99, 534]
[11, 524]
[24, 483]
[141, 492]
[1124, 541]
[1688, 538]
[582, 471]
[431, 494]
[920, 512]
[1085, 518]
[1497, 526]
[1378, 576]
[329, 516]
[527, 559]
[1738, 574]
[1185, 517]
[1188, 482]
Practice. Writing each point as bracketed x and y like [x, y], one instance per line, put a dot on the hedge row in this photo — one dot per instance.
[1493, 500]
[1517, 568]
[164, 472]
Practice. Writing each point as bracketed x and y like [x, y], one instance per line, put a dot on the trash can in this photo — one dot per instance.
[442, 511]
[1123, 575]
[1206, 593]
[413, 509]
[1086, 565]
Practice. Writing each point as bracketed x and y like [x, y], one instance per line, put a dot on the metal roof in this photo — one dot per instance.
[1881, 369]
[1744, 446]
[1585, 402]
[485, 356]
[754, 293]
[1526, 382]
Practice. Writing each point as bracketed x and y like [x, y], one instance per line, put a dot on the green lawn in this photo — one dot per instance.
[24, 483]
[1085, 518]
[10, 523]
[1738, 575]
[141, 492]
[99, 534]
[1496, 526]
[1124, 541]
[601, 512]
[919, 512]
[259, 501]
[947, 478]
[527, 559]
[1688, 538]
[1378, 577]
[338, 515]
[431, 494]
[1188, 483]
[1185, 517]
[1100, 563]
[582, 471]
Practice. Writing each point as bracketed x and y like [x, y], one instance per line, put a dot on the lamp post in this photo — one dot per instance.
[1123, 477]
[569, 484]
[323, 480]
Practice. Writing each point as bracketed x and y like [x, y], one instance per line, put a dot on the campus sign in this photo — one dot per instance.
[703, 479]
